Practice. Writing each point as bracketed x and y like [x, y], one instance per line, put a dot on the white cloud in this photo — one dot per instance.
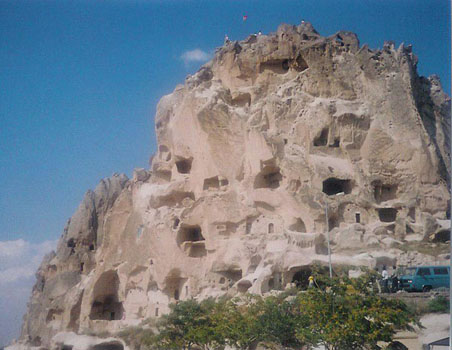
[196, 55]
[19, 261]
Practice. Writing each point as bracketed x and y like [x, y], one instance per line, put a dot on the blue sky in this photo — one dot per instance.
[79, 83]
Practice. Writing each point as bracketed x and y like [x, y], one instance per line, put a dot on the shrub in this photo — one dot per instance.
[439, 304]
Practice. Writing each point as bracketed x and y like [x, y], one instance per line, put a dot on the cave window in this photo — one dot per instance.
[271, 228]
[106, 305]
[211, 183]
[176, 294]
[184, 165]
[222, 280]
[300, 64]
[332, 222]
[164, 153]
[301, 278]
[190, 234]
[412, 214]
[249, 224]
[298, 226]
[358, 217]
[285, 65]
[156, 312]
[334, 186]
[81, 266]
[91, 247]
[322, 139]
[176, 223]
[224, 182]
[387, 214]
[191, 240]
[384, 192]
[276, 66]
[71, 243]
[271, 284]
[336, 142]
[269, 177]
[442, 236]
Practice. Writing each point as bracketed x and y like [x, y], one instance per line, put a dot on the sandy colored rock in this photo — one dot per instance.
[250, 151]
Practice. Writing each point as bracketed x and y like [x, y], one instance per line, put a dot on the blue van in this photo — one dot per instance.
[425, 278]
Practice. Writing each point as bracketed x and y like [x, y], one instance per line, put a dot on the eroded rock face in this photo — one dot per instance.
[250, 150]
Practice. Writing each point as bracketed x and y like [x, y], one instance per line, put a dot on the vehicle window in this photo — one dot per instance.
[440, 271]
[423, 271]
[410, 271]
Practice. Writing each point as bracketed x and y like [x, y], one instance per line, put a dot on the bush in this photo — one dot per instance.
[439, 304]
[340, 314]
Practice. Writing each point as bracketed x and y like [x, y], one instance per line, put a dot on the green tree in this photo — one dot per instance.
[236, 322]
[277, 321]
[187, 324]
[347, 314]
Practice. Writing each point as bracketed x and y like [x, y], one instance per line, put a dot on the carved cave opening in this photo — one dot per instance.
[277, 66]
[183, 165]
[442, 236]
[175, 285]
[165, 175]
[384, 192]
[387, 214]
[106, 304]
[269, 177]
[113, 345]
[164, 153]
[336, 142]
[301, 277]
[214, 183]
[358, 217]
[71, 243]
[300, 64]
[243, 286]
[271, 228]
[298, 226]
[176, 223]
[322, 139]
[191, 240]
[334, 186]
[230, 277]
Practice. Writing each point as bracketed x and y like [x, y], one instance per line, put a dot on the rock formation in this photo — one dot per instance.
[278, 139]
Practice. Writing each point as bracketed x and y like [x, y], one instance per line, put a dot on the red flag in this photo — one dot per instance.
[245, 17]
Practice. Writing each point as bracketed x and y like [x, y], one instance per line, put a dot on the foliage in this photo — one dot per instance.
[340, 313]
[439, 304]
[348, 314]
[187, 324]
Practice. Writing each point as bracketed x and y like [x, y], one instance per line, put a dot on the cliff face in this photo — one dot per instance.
[251, 151]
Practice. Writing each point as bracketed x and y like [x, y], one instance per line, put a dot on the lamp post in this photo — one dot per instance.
[328, 238]
[328, 233]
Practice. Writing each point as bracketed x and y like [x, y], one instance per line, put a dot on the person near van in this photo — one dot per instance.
[394, 280]
[385, 278]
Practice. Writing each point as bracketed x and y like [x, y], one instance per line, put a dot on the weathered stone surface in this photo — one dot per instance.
[250, 151]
